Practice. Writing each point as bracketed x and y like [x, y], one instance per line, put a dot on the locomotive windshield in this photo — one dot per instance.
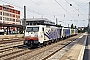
[32, 29]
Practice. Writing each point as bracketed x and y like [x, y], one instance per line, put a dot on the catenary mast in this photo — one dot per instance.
[89, 18]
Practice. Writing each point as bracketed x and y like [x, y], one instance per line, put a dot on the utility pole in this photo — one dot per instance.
[56, 21]
[89, 20]
[24, 19]
[68, 25]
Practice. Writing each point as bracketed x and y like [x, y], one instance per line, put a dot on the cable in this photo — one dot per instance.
[42, 6]
[54, 14]
[79, 6]
[63, 8]
[22, 8]
[75, 8]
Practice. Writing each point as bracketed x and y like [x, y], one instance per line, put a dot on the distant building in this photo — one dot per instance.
[9, 15]
[81, 28]
[38, 21]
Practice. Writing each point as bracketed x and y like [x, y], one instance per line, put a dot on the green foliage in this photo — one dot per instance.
[75, 27]
[72, 26]
[84, 30]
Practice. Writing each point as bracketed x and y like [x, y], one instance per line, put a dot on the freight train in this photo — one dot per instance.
[38, 35]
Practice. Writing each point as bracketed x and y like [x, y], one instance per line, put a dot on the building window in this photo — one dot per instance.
[7, 14]
[18, 12]
[3, 13]
[10, 15]
[7, 19]
[0, 18]
[3, 18]
[0, 13]
[13, 20]
[10, 19]
[17, 20]
[13, 15]
[0, 7]
[18, 16]
[5, 9]
[27, 23]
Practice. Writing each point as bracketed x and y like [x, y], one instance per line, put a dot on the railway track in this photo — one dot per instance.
[7, 43]
[10, 41]
[49, 52]
[25, 54]
[15, 52]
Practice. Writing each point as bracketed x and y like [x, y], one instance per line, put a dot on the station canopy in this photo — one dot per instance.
[10, 25]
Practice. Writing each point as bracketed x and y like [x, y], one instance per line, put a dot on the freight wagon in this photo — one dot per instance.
[73, 32]
[65, 32]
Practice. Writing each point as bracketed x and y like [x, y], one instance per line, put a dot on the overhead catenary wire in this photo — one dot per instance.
[66, 10]
[79, 12]
[42, 6]
[54, 14]
[75, 8]
[63, 8]
[79, 6]
[22, 8]
[47, 8]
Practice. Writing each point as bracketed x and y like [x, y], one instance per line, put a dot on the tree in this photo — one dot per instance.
[75, 27]
[72, 26]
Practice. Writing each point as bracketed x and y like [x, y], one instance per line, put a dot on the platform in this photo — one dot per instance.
[73, 51]
[77, 51]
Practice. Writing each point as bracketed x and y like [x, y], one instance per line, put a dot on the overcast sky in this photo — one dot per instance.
[76, 14]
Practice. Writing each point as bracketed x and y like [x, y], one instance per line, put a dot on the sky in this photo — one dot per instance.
[77, 14]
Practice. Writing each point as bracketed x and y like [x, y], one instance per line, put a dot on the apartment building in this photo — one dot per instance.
[9, 15]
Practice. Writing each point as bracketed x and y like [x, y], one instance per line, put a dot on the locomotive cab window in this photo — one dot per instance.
[32, 29]
[35, 29]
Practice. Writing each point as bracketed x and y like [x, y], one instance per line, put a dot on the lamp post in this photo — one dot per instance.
[56, 21]
[89, 20]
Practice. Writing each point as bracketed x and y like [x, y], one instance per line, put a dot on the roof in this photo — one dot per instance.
[9, 6]
[37, 19]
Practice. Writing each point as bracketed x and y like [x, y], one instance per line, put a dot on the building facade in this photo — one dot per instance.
[9, 15]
